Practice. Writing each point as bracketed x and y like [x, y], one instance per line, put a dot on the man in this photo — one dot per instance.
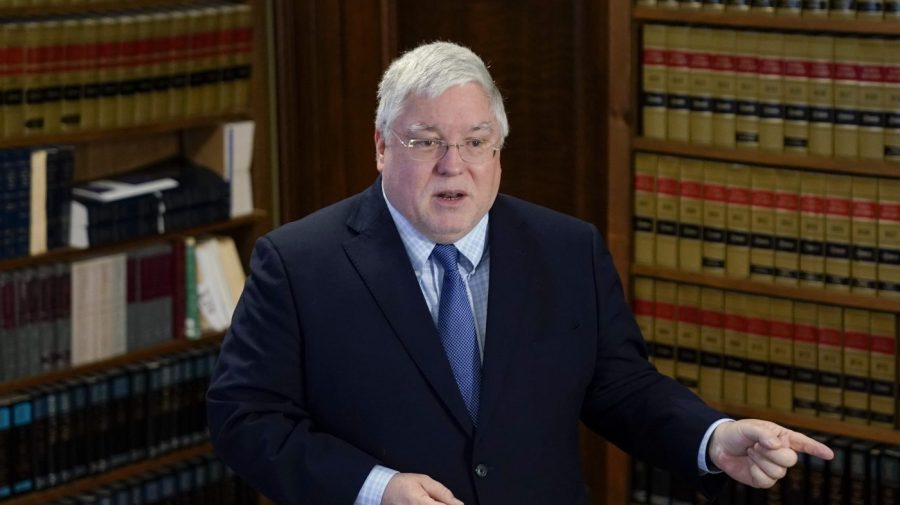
[430, 341]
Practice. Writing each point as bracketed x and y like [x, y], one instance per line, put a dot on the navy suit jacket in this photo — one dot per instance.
[333, 364]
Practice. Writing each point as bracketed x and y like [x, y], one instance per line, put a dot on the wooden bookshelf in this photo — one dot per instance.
[123, 133]
[154, 351]
[841, 298]
[125, 472]
[756, 157]
[69, 254]
[751, 20]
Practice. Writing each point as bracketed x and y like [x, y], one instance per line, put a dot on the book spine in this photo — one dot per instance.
[797, 72]
[665, 330]
[14, 79]
[771, 91]
[781, 354]
[715, 215]
[722, 82]
[690, 219]
[758, 351]
[644, 208]
[746, 133]
[678, 83]
[109, 48]
[846, 96]
[842, 9]
[687, 366]
[762, 224]
[737, 250]
[892, 97]
[643, 305]
[820, 51]
[871, 10]
[838, 205]
[21, 437]
[856, 366]
[872, 98]
[126, 70]
[889, 238]
[805, 357]
[700, 85]
[712, 328]
[812, 230]
[734, 378]
[830, 349]
[787, 227]
[883, 369]
[864, 236]
[815, 8]
[667, 199]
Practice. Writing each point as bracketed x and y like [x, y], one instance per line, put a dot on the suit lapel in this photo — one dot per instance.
[378, 255]
[512, 307]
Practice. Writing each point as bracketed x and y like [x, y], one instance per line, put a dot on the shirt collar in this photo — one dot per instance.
[418, 247]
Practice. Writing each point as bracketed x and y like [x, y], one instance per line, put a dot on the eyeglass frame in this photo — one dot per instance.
[446, 146]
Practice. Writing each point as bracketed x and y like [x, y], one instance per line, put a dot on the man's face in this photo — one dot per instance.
[443, 199]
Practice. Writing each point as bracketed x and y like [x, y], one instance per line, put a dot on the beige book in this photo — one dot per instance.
[712, 341]
[856, 366]
[71, 78]
[145, 70]
[762, 224]
[229, 23]
[127, 71]
[207, 59]
[99, 297]
[864, 236]
[842, 9]
[781, 354]
[771, 91]
[838, 202]
[765, 7]
[820, 51]
[37, 242]
[805, 357]
[179, 67]
[678, 83]
[789, 8]
[645, 208]
[830, 362]
[758, 350]
[245, 51]
[883, 369]
[687, 365]
[664, 327]
[160, 62]
[722, 80]
[737, 250]
[746, 129]
[738, 5]
[734, 378]
[715, 216]
[89, 29]
[108, 53]
[700, 42]
[235, 277]
[892, 97]
[870, 10]
[643, 304]
[872, 98]
[12, 79]
[812, 230]
[889, 238]
[690, 211]
[846, 96]
[34, 78]
[52, 68]
[714, 5]
[653, 81]
[667, 196]
[796, 59]
[787, 226]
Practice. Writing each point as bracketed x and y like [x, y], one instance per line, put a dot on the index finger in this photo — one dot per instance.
[801, 443]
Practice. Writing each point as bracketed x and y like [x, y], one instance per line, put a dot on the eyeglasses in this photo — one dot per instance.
[474, 150]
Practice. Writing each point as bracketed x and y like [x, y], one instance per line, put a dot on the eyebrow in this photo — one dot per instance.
[420, 127]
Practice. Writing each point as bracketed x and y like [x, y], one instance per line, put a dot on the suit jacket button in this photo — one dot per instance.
[481, 470]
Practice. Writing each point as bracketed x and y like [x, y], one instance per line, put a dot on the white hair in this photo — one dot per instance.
[428, 71]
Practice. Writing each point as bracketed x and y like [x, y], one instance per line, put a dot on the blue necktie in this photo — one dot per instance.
[456, 327]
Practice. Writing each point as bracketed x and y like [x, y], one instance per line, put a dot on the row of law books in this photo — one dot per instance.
[124, 68]
[61, 432]
[35, 185]
[786, 226]
[807, 358]
[196, 481]
[861, 473]
[869, 10]
[833, 96]
[65, 314]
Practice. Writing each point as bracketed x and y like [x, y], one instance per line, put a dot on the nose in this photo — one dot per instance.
[451, 163]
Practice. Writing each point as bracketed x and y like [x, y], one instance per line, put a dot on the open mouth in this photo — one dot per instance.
[450, 195]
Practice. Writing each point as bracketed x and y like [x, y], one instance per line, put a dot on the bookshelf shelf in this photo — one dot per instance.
[844, 299]
[83, 6]
[125, 132]
[818, 163]
[745, 20]
[69, 254]
[170, 347]
[95, 481]
[830, 426]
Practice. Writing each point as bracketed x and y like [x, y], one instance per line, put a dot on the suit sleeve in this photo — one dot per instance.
[629, 402]
[256, 402]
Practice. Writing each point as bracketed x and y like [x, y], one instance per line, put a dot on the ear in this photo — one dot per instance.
[379, 150]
